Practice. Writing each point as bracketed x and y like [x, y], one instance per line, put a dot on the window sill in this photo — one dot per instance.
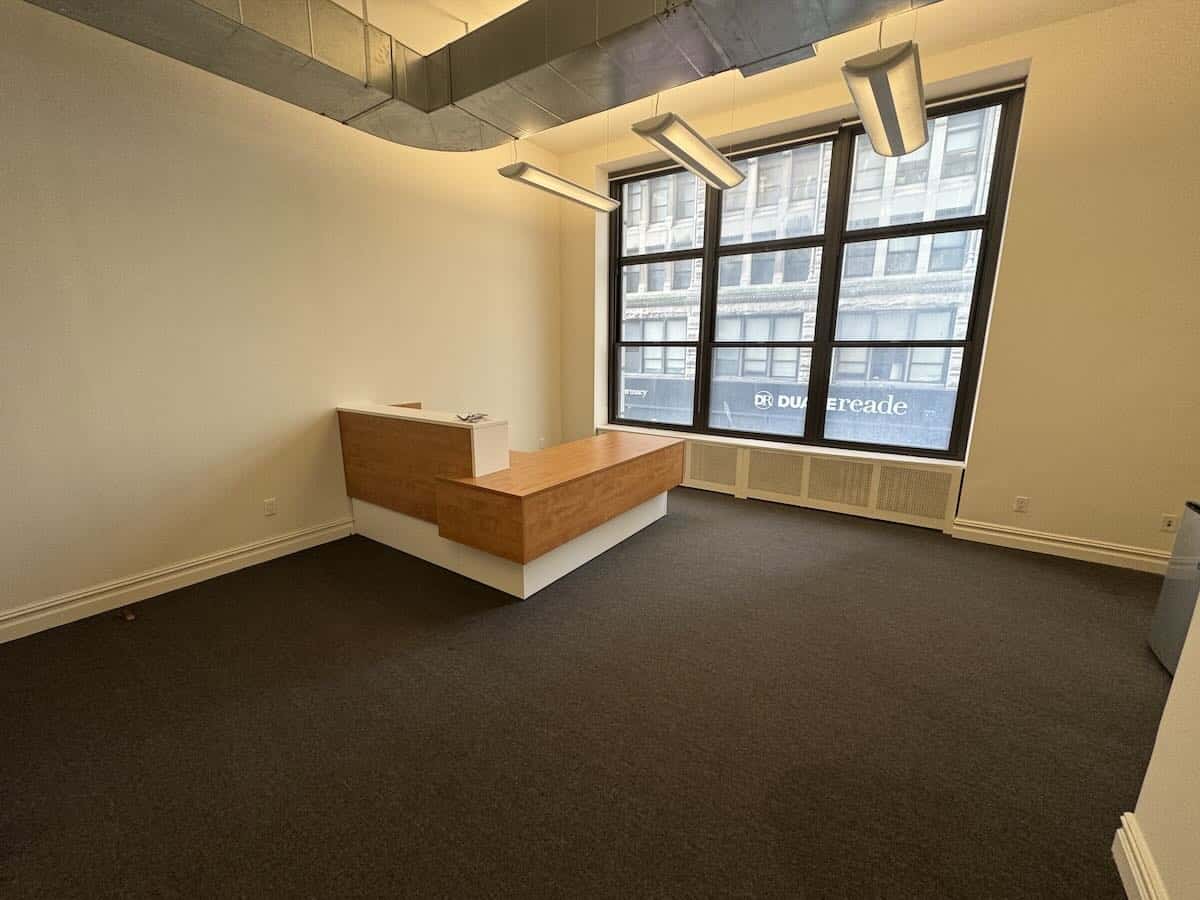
[804, 449]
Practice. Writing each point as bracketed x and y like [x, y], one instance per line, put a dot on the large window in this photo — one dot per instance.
[835, 297]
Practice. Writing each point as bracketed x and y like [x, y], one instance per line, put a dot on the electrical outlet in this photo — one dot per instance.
[541, 443]
[1170, 523]
[269, 507]
[1021, 505]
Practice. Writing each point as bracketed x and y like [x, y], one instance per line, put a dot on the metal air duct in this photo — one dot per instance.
[544, 63]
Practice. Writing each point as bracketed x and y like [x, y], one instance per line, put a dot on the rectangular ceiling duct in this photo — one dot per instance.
[544, 63]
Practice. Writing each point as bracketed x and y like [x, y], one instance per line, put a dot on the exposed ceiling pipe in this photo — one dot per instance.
[542, 64]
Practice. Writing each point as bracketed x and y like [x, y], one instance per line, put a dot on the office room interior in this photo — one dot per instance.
[600, 448]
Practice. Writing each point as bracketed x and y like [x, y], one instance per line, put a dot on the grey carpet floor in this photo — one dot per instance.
[744, 700]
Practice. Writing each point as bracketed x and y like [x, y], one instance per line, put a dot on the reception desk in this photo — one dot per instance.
[452, 493]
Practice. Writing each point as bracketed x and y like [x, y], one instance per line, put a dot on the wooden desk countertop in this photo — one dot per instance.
[532, 473]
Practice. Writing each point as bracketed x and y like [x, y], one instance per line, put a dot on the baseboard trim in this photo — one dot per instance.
[43, 614]
[1143, 559]
[1139, 875]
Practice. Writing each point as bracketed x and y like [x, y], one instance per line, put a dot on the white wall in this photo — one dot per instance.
[1168, 808]
[195, 274]
[1089, 398]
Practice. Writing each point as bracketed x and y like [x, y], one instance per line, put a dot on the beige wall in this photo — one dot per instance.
[1168, 808]
[194, 274]
[1090, 393]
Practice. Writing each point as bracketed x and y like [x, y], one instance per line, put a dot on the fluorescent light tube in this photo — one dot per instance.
[890, 96]
[676, 138]
[552, 184]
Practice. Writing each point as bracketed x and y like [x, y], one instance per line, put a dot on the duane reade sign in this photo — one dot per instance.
[887, 406]
[895, 414]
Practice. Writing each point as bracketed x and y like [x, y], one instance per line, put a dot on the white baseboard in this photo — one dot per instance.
[43, 614]
[1143, 559]
[1139, 875]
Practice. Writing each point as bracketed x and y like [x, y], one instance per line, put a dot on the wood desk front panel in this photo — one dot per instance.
[524, 512]
[394, 463]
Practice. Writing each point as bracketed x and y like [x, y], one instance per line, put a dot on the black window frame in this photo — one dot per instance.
[837, 235]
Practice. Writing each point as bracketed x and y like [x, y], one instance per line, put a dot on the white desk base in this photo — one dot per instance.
[421, 539]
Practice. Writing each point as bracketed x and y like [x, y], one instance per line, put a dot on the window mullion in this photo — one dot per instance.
[708, 307]
[837, 204]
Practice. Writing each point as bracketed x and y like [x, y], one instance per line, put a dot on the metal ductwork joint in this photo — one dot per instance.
[542, 64]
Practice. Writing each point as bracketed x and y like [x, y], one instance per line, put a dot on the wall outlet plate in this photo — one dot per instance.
[1170, 523]
[1021, 504]
[270, 506]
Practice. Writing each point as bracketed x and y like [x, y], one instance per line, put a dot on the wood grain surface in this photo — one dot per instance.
[394, 463]
[547, 498]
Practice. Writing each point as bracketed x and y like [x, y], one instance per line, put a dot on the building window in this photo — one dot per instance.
[633, 279]
[868, 173]
[806, 174]
[734, 201]
[817, 338]
[902, 256]
[685, 196]
[963, 135]
[949, 251]
[913, 169]
[770, 182]
[796, 265]
[633, 199]
[860, 261]
[731, 271]
[660, 193]
[676, 331]
[762, 268]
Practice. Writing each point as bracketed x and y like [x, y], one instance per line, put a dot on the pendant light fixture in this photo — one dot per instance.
[553, 184]
[890, 95]
[676, 138]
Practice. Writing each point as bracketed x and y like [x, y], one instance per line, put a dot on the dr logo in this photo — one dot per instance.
[764, 400]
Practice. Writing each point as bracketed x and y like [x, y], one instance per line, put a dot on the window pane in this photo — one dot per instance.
[731, 271]
[901, 256]
[772, 399]
[729, 328]
[797, 264]
[787, 328]
[758, 328]
[762, 268]
[964, 140]
[770, 181]
[900, 396]
[792, 296]
[681, 275]
[784, 195]
[657, 384]
[858, 260]
[686, 187]
[870, 307]
[948, 177]
[662, 213]
[648, 295]
[754, 361]
[949, 251]
[727, 362]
